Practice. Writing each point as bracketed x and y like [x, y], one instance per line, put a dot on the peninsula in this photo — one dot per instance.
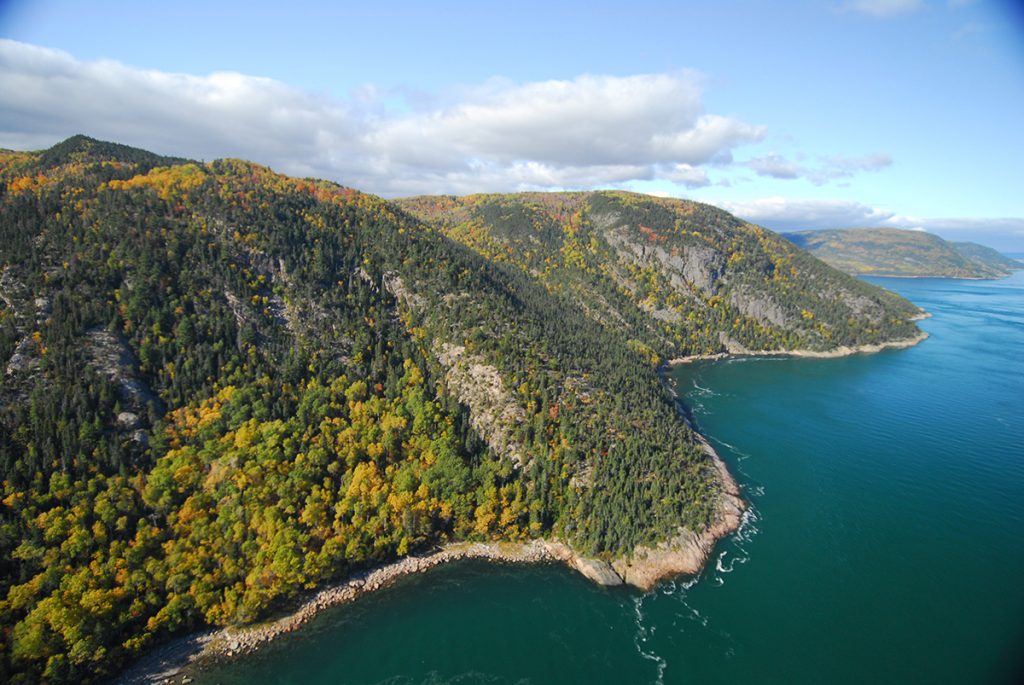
[225, 388]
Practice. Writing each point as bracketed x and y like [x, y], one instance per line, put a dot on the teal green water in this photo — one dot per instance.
[885, 542]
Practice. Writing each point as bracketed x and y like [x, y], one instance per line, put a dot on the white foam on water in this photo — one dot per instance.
[704, 392]
[720, 567]
[737, 553]
[740, 454]
[697, 616]
[642, 634]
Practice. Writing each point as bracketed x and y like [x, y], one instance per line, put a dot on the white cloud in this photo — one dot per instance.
[775, 166]
[828, 169]
[684, 174]
[786, 214]
[586, 132]
[883, 8]
[838, 166]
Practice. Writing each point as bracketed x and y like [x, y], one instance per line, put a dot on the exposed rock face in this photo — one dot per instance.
[22, 360]
[492, 408]
[16, 302]
[700, 265]
[394, 284]
[666, 315]
[862, 306]
[759, 307]
[127, 420]
[112, 357]
[242, 315]
[683, 554]
[697, 266]
[596, 570]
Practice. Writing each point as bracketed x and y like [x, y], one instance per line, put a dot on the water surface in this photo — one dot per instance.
[885, 542]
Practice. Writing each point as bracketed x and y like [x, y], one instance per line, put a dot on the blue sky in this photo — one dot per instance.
[791, 114]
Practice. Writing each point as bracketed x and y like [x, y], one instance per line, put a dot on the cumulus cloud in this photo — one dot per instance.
[585, 132]
[883, 8]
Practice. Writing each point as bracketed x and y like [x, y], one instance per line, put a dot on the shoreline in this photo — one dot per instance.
[685, 554]
[842, 351]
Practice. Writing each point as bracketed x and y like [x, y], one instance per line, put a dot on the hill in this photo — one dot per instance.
[223, 387]
[674, 277]
[988, 256]
[899, 252]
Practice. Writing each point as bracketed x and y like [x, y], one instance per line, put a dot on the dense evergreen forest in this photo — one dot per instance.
[222, 387]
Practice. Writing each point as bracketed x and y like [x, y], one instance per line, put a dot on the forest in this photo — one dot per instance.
[223, 387]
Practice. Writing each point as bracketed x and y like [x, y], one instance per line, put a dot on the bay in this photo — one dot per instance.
[885, 541]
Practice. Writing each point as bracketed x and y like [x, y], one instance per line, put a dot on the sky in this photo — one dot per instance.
[791, 114]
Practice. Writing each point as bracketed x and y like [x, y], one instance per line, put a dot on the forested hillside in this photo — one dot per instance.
[903, 252]
[989, 257]
[222, 386]
[674, 277]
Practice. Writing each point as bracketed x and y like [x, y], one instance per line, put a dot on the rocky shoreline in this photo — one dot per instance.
[842, 351]
[687, 553]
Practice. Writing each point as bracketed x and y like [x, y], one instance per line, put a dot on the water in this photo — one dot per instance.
[885, 542]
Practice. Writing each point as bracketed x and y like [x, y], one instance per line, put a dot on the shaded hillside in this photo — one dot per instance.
[899, 252]
[674, 277]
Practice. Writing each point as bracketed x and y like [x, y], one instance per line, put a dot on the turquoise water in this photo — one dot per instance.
[885, 542]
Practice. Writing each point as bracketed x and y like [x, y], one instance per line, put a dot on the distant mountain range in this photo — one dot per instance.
[903, 252]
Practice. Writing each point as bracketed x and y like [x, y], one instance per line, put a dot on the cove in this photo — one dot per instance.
[885, 542]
